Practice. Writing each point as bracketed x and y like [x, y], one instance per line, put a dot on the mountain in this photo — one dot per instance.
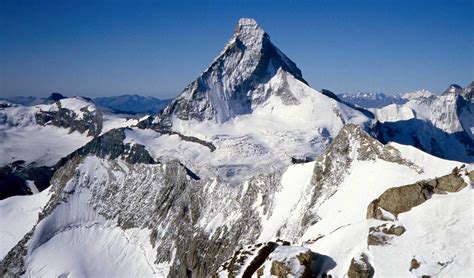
[230, 86]
[35, 138]
[132, 104]
[253, 105]
[440, 125]
[248, 172]
[171, 224]
[23, 100]
[372, 100]
[30, 100]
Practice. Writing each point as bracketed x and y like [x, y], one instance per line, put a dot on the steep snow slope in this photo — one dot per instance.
[18, 215]
[440, 228]
[292, 121]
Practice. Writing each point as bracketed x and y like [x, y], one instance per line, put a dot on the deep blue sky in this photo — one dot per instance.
[156, 48]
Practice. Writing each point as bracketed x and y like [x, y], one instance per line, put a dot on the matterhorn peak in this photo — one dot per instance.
[249, 33]
[225, 89]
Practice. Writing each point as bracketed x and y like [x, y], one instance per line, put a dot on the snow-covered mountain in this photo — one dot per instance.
[34, 139]
[171, 224]
[249, 172]
[233, 83]
[132, 104]
[440, 125]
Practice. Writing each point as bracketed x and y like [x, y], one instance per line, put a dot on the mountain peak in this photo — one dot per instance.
[249, 33]
[225, 89]
[453, 89]
[247, 22]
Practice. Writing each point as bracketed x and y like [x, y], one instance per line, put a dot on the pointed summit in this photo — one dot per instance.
[453, 89]
[225, 89]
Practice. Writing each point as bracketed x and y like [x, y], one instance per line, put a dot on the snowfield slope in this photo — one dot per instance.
[171, 224]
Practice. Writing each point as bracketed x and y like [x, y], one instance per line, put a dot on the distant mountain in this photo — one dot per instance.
[440, 125]
[23, 100]
[372, 100]
[132, 104]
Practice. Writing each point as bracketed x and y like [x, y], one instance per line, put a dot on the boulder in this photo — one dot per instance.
[360, 268]
[401, 199]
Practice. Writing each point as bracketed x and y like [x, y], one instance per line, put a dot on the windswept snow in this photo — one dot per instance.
[293, 183]
[43, 146]
[18, 214]
[438, 235]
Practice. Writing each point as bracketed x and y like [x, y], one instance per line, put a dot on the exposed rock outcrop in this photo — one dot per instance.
[397, 200]
[360, 268]
[90, 121]
[278, 259]
[111, 145]
[382, 234]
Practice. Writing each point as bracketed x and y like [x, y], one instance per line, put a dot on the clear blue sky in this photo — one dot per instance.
[156, 48]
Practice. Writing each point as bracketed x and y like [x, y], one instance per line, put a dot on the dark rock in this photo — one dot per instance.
[111, 145]
[91, 122]
[55, 97]
[360, 268]
[414, 264]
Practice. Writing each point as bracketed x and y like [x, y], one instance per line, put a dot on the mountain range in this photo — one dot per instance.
[249, 172]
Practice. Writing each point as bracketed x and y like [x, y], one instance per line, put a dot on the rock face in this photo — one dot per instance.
[360, 268]
[81, 119]
[111, 145]
[397, 200]
[14, 177]
[246, 261]
[468, 92]
[225, 89]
